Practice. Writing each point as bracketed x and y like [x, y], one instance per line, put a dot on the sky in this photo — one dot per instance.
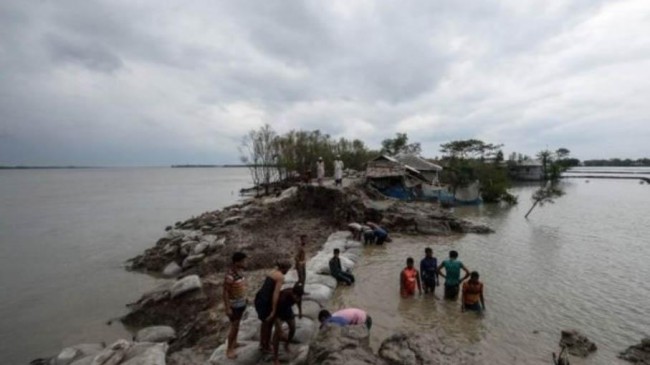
[139, 83]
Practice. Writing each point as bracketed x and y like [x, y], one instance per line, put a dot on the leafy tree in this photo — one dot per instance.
[470, 148]
[258, 151]
[399, 144]
[465, 163]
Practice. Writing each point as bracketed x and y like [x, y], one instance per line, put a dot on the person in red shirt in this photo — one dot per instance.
[409, 278]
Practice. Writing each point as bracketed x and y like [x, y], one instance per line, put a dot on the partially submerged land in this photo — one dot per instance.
[186, 313]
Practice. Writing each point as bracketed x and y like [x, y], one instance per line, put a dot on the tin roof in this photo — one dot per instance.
[417, 162]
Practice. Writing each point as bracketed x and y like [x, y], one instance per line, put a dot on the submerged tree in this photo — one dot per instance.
[546, 194]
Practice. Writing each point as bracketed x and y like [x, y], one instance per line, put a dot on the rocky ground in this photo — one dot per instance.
[195, 253]
[638, 354]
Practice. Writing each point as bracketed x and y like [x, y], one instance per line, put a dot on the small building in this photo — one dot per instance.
[527, 170]
[393, 178]
[428, 169]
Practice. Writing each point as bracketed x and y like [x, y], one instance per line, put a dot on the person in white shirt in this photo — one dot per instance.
[338, 171]
[320, 171]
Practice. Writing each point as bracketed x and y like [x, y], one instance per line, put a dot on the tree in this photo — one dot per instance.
[399, 144]
[469, 148]
[545, 195]
[258, 150]
[546, 157]
[465, 163]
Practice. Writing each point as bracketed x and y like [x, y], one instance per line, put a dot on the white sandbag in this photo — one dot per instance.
[310, 309]
[249, 328]
[193, 260]
[66, 356]
[318, 292]
[305, 330]
[199, 248]
[247, 354]
[184, 285]
[220, 243]
[155, 334]
[144, 353]
[113, 354]
[319, 262]
[351, 255]
[171, 270]
[327, 280]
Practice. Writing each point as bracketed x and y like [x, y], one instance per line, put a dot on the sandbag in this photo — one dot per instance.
[155, 334]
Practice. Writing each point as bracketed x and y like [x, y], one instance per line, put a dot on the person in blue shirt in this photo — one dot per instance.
[452, 268]
[429, 271]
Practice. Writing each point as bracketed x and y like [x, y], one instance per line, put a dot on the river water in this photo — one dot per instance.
[64, 238]
[583, 262]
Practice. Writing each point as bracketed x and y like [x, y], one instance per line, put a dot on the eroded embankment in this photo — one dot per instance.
[197, 251]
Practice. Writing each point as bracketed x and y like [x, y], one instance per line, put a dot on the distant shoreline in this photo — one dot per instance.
[204, 166]
[109, 167]
[48, 167]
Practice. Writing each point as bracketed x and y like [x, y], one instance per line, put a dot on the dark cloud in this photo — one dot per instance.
[117, 82]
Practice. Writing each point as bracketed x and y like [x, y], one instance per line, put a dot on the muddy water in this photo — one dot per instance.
[583, 262]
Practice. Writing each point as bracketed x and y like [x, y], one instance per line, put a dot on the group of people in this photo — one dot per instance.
[472, 298]
[338, 171]
[369, 233]
[274, 305]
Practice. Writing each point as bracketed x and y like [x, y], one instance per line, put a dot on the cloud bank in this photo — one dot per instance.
[151, 83]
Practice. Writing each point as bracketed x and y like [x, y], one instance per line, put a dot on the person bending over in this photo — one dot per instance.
[266, 302]
[288, 298]
[345, 317]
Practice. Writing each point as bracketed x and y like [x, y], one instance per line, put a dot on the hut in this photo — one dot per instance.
[428, 169]
[394, 178]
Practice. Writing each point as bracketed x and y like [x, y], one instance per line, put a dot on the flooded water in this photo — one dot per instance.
[64, 238]
[581, 263]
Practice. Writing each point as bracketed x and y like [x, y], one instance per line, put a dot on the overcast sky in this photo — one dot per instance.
[161, 82]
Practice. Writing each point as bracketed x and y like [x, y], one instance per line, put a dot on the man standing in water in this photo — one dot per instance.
[408, 279]
[234, 299]
[301, 259]
[320, 171]
[337, 270]
[428, 271]
[472, 296]
[338, 171]
[452, 268]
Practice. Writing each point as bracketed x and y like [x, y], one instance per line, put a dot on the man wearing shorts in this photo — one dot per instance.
[234, 298]
[452, 268]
